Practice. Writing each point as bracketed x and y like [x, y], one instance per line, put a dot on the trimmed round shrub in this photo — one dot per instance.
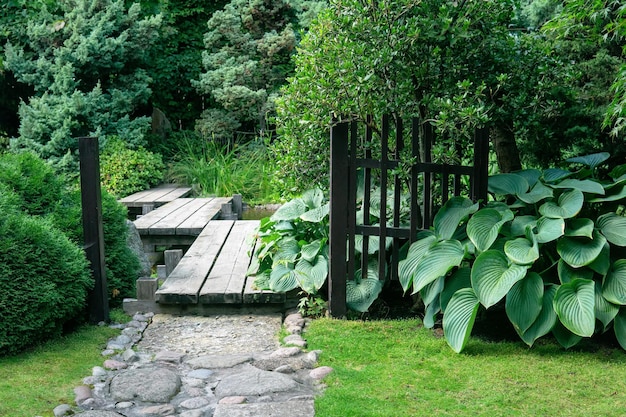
[34, 181]
[122, 265]
[44, 279]
[125, 171]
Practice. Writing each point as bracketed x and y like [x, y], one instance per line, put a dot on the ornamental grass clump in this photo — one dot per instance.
[549, 247]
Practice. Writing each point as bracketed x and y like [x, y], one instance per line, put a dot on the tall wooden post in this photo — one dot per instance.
[92, 227]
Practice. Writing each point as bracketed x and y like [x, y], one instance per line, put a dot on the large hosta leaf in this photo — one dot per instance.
[574, 303]
[536, 194]
[549, 229]
[586, 186]
[592, 160]
[555, 174]
[519, 224]
[432, 291]
[619, 326]
[313, 198]
[290, 210]
[283, 278]
[451, 214]
[408, 266]
[310, 250]
[603, 261]
[605, 310]
[440, 258]
[460, 279]
[287, 251]
[614, 284]
[531, 176]
[524, 301]
[317, 214]
[310, 276]
[484, 226]
[503, 184]
[568, 205]
[567, 273]
[616, 194]
[579, 227]
[565, 338]
[580, 251]
[613, 227]
[523, 251]
[459, 318]
[545, 320]
[430, 314]
[492, 276]
[361, 293]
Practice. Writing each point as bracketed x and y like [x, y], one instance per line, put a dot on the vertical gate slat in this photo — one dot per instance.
[367, 191]
[338, 219]
[353, 172]
[427, 199]
[415, 221]
[384, 165]
[397, 194]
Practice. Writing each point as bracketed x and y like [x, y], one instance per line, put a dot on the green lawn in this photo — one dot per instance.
[35, 382]
[398, 368]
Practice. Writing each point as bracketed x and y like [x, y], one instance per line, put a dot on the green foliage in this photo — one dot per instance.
[125, 171]
[84, 63]
[213, 169]
[44, 280]
[549, 246]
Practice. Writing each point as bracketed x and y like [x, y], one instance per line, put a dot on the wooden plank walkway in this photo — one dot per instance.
[157, 196]
[213, 271]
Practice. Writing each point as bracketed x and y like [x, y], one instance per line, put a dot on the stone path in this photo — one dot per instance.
[220, 366]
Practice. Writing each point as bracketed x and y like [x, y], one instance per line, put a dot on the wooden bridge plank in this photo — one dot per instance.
[168, 224]
[172, 195]
[209, 211]
[185, 282]
[225, 283]
[162, 194]
[144, 223]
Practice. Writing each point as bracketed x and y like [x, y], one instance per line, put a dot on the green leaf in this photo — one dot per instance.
[580, 251]
[283, 278]
[524, 301]
[579, 227]
[440, 258]
[602, 263]
[361, 293]
[616, 194]
[484, 226]
[567, 273]
[449, 217]
[549, 229]
[545, 320]
[555, 174]
[287, 252]
[614, 284]
[290, 210]
[522, 251]
[619, 326]
[432, 291]
[592, 160]
[460, 279]
[430, 315]
[574, 303]
[531, 176]
[565, 338]
[537, 193]
[569, 204]
[492, 277]
[503, 184]
[518, 225]
[311, 277]
[313, 198]
[309, 251]
[317, 214]
[605, 310]
[459, 318]
[408, 266]
[586, 186]
[613, 227]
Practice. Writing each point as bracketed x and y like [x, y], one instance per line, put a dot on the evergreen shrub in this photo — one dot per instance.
[43, 276]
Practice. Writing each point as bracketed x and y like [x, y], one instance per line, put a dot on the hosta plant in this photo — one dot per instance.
[549, 248]
[292, 253]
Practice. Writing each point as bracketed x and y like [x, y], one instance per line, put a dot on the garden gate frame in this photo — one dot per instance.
[345, 162]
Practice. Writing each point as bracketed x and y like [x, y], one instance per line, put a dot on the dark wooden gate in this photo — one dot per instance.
[393, 165]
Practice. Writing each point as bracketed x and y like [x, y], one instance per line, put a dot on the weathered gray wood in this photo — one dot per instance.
[227, 278]
[147, 208]
[146, 287]
[238, 205]
[145, 222]
[163, 194]
[196, 223]
[185, 282]
[168, 224]
[178, 192]
[172, 258]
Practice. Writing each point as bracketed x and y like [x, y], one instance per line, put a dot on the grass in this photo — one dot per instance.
[399, 368]
[34, 382]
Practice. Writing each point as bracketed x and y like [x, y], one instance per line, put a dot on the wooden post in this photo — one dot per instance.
[338, 219]
[237, 206]
[91, 198]
[172, 258]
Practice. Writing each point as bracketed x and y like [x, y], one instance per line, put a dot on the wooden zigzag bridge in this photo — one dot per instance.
[206, 252]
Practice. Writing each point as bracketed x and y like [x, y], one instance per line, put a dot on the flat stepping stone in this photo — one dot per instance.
[99, 413]
[218, 361]
[155, 385]
[278, 409]
[254, 382]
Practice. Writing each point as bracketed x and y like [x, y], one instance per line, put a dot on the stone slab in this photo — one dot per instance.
[254, 382]
[279, 409]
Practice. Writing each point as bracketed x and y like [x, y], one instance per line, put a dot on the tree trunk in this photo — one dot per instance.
[507, 153]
